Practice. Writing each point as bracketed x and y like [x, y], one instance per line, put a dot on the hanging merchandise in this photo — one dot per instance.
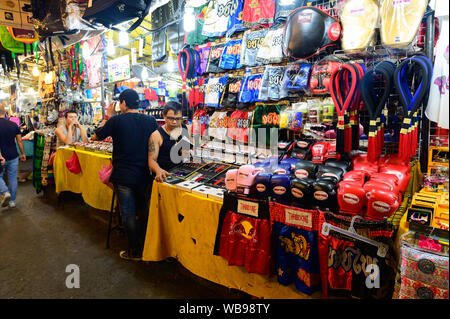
[238, 126]
[175, 37]
[438, 103]
[231, 55]
[195, 36]
[250, 89]
[244, 232]
[271, 88]
[375, 102]
[235, 22]
[266, 120]
[284, 7]
[364, 243]
[219, 16]
[200, 122]
[346, 94]
[112, 12]
[419, 67]
[258, 12]
[218, 126]
[400, 21]
[203, 53]
[296, 77]
[230, 96]
[215, 55]
[214, 91]
[359, 20]
[297, 246]
[250, 45]
[321, 73]
[159, 45]
[309, 30]
[271, 48]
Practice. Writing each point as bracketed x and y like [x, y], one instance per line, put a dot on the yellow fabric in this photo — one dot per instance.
[359, 20]
[87, 183]
[192, 240]
[400, 20]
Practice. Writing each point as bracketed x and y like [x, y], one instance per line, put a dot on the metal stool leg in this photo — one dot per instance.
[111, 212]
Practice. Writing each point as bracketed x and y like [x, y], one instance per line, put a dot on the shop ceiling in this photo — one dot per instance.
[143, 31]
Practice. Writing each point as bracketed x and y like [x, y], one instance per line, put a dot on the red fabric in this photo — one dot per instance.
[105, 173]
[73, 164]
[198, 122]
[150, 95]
[257, 12]
[278, 214]
[246, 241]
[238, 126]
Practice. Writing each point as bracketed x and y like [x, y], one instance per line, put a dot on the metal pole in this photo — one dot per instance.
[425, 123]
[102, 88]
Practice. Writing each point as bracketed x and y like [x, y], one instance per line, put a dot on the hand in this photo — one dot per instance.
[2, 160]
[161, 175]
[22, 157]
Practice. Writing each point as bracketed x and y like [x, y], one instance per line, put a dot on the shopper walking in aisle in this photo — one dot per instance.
[131, 177]
[71, 131]
[9, 158]
[167, 144]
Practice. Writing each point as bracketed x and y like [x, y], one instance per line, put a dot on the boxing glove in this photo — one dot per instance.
[282, 169]
[344, 165]
[301, 191]
[231, 180]
[304, 169]
[331, 151]
[262, 185]
[246, 179]
[402, 173]
[325, 195]
[280, 188]
[291, 162]
[356, 176]
[330, 171]
[351, 197]
[318, 152]
[380, 184]
[381, 204]
[302, 149]
[370, 168]
[262, 167]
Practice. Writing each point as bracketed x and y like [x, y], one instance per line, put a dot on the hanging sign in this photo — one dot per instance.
[119, 69]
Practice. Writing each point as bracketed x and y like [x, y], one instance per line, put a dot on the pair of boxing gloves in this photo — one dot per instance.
[316, 152]
[379, 193]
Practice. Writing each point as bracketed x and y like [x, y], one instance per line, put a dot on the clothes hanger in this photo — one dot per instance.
[351, 232]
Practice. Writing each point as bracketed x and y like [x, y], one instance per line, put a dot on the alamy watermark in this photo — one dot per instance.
[73, 280]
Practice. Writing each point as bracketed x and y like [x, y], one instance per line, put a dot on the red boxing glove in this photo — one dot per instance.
[351, 197]
[381, 204]
[319, 150]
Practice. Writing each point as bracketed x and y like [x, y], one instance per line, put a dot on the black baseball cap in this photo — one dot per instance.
[130, 97]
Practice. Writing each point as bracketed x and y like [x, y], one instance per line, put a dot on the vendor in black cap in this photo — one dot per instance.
[131, 177]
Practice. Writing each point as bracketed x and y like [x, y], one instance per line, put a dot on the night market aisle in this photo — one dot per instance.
[40, 238]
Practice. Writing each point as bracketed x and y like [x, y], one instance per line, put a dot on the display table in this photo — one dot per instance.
[87, 183]
[183, 225]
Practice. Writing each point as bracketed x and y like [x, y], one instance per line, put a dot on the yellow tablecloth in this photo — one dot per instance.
[191, 241]
[87, 183]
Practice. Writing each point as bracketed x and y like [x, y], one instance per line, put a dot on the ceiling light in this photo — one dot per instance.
[189, 19]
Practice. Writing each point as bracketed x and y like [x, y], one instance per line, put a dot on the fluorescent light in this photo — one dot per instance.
[123, 38]
[170, 65]
[144, 74]
[189, 19]
[35, 71]
[110, 48]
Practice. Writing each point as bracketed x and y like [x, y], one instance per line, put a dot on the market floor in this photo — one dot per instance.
[40, 238]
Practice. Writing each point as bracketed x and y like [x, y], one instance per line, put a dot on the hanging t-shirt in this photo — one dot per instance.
[437, 109]
[238, 126]
[216, 18]
[250, 45]
[257, 12]
[196, 37]
[231, 56]
[214, 58]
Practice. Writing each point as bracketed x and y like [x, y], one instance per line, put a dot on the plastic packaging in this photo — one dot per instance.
[359, 19]
[400, 21]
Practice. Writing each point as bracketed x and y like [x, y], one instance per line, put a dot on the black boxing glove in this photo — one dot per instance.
[304, 169]
[302, 149]
[301, 190]
[325, 195]
[335, 172]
